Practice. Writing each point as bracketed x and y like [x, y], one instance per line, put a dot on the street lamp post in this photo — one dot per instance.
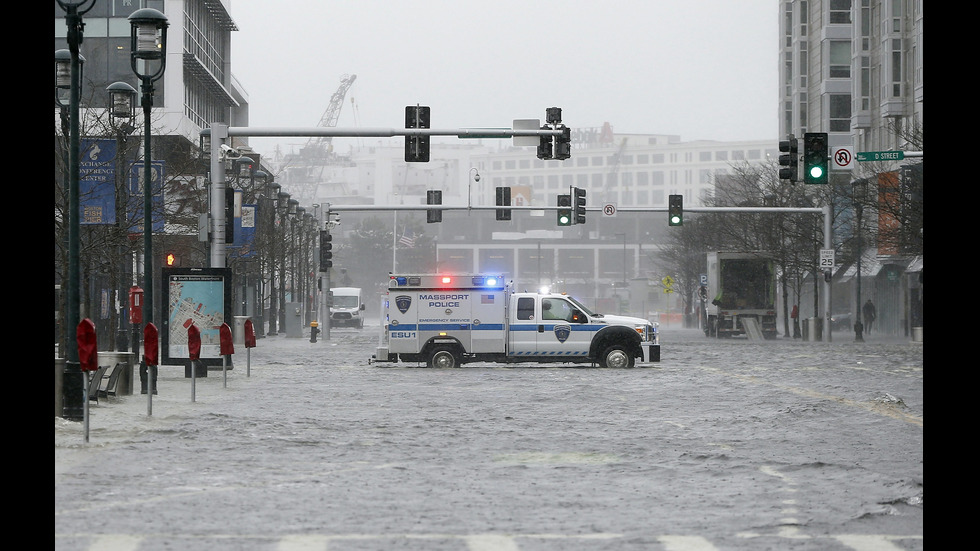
[122, 101]
[272, 248]
[293, 213]
[283, 209]
[469, 188]
[299, 222]
[858, 189]
[73, 381]
[261, 180]
[245, 174]
[148, 44]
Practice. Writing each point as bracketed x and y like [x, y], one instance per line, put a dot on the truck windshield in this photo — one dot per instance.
[581, 306]
[345, 302]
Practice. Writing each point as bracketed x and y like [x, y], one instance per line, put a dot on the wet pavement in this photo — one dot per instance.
[725, 444]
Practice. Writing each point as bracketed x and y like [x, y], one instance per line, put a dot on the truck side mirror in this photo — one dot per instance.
[362, 306]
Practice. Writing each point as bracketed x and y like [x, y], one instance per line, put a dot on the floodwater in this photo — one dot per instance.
[725, 444]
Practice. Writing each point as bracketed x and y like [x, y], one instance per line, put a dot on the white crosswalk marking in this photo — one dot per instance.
[862, 542]
[686, 543]
[116, 542]
[490, 542]
[303, 543]
[508, 542]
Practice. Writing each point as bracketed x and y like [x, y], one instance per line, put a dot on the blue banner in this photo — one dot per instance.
[97, 181]
[136, 177]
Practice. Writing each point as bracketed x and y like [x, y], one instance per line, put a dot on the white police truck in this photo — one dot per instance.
[449, 320]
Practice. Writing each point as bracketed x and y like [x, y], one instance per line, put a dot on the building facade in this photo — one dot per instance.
[854, 69]
[197, 88]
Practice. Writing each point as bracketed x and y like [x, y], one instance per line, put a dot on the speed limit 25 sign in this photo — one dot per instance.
[826, 258]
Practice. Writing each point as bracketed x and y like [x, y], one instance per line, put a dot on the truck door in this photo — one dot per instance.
[562, 329]
[523, 333]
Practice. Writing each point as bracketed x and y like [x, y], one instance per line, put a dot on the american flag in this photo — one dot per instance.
[408, 239]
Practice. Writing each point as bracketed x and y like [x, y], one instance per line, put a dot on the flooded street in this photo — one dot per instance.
[725, 444]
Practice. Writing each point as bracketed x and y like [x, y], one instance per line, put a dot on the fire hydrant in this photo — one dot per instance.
[314, 330]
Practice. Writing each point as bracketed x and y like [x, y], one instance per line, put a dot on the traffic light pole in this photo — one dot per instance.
[325, 279]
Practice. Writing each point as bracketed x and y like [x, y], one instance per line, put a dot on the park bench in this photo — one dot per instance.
[96, 382]
[96, 389]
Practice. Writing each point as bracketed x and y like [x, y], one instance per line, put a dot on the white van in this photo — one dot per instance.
[347, 307]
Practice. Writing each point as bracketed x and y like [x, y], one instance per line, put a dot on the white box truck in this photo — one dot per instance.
[742, 291]
[448, 320]
[346, 307]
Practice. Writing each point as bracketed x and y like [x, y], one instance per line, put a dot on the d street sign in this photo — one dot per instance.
[880, 155]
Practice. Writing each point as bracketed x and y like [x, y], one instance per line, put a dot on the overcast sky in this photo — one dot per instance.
[701, 69]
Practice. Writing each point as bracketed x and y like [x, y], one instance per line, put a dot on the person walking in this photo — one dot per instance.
[870, 313]
[795, 315]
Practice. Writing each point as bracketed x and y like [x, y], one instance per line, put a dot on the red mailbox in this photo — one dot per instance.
[135, 305]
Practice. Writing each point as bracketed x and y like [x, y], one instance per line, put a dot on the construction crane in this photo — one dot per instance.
[304, 171]
[320, 147]
[617, 161]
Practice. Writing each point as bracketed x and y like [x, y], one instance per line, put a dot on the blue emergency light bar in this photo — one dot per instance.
[447, 281]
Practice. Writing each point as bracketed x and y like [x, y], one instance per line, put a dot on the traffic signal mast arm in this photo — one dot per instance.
[389, 208]
[392, 132]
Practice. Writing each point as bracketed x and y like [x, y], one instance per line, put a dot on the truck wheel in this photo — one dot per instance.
[617, 357]
[443, 358]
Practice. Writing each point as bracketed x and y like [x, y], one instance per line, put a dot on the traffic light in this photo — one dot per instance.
[416, 147]
[816, 157]
[433, 197]
[565, 210]
[326, 250]
[503, 199]
[171, 260]
[790, 147]
[545, 145]
[553, 115]
[578, 200]
[675, 210]
[563, 143]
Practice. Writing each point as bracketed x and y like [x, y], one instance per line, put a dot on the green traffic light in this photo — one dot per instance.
[815, 156]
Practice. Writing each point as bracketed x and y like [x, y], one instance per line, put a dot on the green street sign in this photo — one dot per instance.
[880, 155]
